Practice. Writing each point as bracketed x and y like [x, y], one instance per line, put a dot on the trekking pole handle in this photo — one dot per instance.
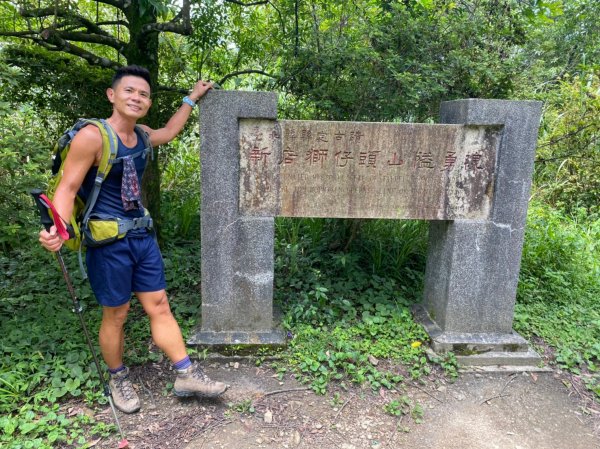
[45, 218]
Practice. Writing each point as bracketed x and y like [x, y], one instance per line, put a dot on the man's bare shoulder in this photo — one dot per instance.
[87, 144]
[88, 138]
[89, 134]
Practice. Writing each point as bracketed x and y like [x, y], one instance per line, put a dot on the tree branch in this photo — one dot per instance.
[41, 12]
[567, 135]
[21, 34]
[121, 4]
[69, 17]
[57, 43]
[166, 27]
[258, 2]
[243, 72]
[122, 23]
[181, 23]
[90, 38]
[166, 89]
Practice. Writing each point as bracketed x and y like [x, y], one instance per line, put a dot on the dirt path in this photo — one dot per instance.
[478, 411]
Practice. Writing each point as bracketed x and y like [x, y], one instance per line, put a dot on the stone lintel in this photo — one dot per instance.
[300, 168]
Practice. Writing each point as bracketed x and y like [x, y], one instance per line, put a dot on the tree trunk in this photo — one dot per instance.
[143, 50]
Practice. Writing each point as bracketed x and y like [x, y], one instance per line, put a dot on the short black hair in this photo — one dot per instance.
[130, 70]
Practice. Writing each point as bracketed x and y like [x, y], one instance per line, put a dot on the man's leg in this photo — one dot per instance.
[111, 338]
[166, 334]
[112, 335]
[163, 326]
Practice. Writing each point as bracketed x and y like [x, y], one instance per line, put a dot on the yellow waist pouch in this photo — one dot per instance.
[100, 231]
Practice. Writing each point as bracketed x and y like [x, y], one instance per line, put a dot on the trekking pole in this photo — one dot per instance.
[43, 204]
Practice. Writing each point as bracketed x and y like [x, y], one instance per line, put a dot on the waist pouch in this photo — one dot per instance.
[99, 231]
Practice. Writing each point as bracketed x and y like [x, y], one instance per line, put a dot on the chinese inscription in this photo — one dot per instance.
[366, 170]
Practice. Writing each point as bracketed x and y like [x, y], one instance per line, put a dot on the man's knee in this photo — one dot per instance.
[162, 306]
[155, 304]
[115, 316]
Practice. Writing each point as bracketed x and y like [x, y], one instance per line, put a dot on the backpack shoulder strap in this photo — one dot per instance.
[147, 143]
[110, 146]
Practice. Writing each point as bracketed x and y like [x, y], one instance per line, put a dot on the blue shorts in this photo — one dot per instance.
[132, 264]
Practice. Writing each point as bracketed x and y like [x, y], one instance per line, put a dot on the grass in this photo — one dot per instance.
[343, 305]
[559, 290]
[345, 289]
[44, 358]
[43, 361]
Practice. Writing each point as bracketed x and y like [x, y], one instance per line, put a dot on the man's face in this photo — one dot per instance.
[130, 96]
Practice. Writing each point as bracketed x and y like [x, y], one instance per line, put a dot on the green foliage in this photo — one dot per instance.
[244, 407]
[60, 88]
[345, 286]
[568, 158]
[448, 363]
[46, 427]
[559, 288]
[543, 11]
[380, 247]
[180, 187]
[566, 44]
[391, 245]
[44, 358]
[405, 406]
[372, 61]
[560, 256]
[24, 162]
[321, 355]
[160, 8]
[341, 309]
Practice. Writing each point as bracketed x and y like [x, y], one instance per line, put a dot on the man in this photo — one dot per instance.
[131, 264]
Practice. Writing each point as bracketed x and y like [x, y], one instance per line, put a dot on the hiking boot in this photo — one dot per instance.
[193, 381]
[124, 396]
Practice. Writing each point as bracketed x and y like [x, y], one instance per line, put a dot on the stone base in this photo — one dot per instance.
[479, 349]
[526, 358]
[207, 338]
[250, 338]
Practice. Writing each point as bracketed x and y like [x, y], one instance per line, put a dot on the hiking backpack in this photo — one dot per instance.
[82, 209]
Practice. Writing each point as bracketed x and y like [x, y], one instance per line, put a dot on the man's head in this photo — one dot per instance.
[130, 70]
[130, 92]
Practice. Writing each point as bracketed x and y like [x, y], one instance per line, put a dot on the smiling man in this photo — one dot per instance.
[132, 264]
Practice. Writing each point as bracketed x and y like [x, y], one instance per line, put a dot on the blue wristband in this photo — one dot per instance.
[189, 101]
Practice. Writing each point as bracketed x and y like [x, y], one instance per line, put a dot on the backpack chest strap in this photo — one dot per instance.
[143, 153]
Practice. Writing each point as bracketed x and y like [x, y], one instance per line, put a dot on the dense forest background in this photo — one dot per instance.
[367, 60]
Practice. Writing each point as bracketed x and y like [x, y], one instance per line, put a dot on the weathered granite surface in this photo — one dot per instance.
[306, 168]
[237, 251]
[473, 265]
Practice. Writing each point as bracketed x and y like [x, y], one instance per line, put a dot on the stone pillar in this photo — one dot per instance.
[473, 265]
[237, 251]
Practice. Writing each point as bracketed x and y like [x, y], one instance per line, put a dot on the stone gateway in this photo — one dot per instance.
[470, 176]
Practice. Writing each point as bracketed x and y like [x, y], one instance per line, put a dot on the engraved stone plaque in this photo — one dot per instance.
[366, 170]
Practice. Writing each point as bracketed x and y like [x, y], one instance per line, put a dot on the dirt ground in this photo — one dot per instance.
[481, 410]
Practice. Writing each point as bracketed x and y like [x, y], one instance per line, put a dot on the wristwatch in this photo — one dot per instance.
[189, 101]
